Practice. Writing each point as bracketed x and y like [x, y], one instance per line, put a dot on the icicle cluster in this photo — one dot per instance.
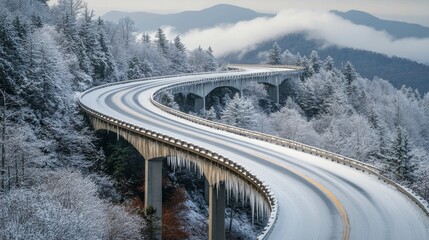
[235, 186]
[177, 158]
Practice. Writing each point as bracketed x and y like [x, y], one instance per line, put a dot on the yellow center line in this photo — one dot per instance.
[329, 194]
[340, 208]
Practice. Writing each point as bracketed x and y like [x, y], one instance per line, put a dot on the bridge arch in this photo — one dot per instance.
[217, 95]
[189, 102]
[272, 90]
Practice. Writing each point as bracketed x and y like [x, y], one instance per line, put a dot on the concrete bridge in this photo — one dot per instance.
[202, 89]
[223, 177]
[320, 199]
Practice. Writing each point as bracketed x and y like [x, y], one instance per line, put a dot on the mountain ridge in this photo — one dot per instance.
[187, 20]
[398, 71]
[397, 29]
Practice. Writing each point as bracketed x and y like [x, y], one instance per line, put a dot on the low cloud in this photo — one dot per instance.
[318, 24]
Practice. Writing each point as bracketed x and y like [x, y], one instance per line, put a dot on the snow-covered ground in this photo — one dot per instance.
[310, 190]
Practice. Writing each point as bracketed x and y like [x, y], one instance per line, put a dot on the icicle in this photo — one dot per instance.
[236, 187]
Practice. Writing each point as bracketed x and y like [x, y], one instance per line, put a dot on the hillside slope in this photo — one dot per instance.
[395, 28]
[398, 71]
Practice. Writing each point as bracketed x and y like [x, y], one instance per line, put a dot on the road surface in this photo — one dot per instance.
[318, 199]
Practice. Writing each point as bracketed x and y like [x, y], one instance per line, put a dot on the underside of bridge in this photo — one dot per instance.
[201, 96]
[220, 182]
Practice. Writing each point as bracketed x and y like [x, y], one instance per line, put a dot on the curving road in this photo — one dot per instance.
[318, 199]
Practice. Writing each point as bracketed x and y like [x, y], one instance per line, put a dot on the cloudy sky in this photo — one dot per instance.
[311, 16]
[405, 10]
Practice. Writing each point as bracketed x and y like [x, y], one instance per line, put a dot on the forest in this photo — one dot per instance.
[52, 185]
[338, 110]
[61, 180]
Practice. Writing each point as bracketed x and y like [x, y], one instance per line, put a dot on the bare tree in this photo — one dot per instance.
[126, 28]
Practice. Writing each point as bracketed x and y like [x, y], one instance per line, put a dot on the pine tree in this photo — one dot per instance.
[298, 61]
[315, 61]
[211, 62]
[349, 73]
[134, 69]
[105, 65]
[36, 21]
[350, 76]
[209, 114]
[400, 157]
[161, 41]
[179, 45]
[308, 70]
[178, 57]
[202, 61]
[328, 64]
[274, 57]
[146, 68]
[288, 58]
[240, 112]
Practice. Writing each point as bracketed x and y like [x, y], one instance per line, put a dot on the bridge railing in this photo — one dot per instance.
[217, 158]
[244, 132]
[358, 165]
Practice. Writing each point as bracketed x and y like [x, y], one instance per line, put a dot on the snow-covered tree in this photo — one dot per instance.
[400, 156]
[328, 64]
[349, 73]
[315, 61]
[308, 70]
[288, 123]
[126, 30]
[289, 58]
[64, 206]
[178, 57]
[167, 99]
[202, 61]
[179, 45]
[209, 114]
[255, 92]
[211, 62]
[161, 41]
[274, 56]
[240, 112]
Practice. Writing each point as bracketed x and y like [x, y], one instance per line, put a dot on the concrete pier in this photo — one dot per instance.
[217, 211]
[153, 185]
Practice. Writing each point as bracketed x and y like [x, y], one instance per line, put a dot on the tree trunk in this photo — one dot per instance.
[3, 143]
[22, 166]
[16, 173]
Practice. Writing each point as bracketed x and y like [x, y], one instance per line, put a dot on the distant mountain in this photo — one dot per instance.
[185, 21]
[398, 71]
[394, 28]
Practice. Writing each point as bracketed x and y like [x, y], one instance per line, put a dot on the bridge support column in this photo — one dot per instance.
[153, 187]
[200, 104]
[217, 211]
[278, 94]
[273, 93]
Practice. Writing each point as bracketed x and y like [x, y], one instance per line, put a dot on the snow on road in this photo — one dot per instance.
[310, 190]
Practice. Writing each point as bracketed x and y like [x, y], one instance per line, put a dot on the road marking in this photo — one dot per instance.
[329, 194]
[340, 208]
[338, 205]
